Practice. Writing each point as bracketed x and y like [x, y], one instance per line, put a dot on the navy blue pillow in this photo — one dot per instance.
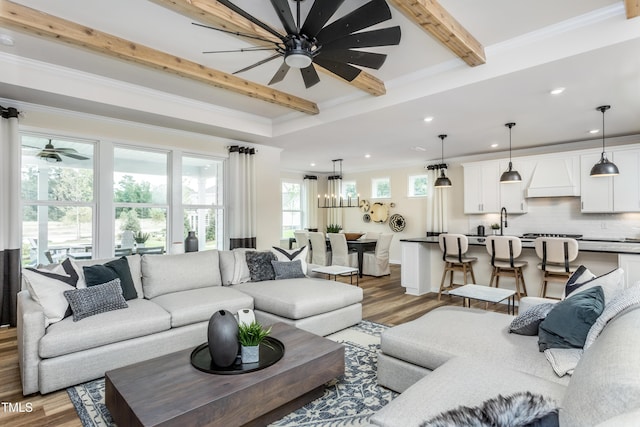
[116, 269]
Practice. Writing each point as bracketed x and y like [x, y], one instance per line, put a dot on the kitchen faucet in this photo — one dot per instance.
[503, 210]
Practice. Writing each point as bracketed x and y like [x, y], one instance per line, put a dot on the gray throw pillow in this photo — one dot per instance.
[527, 322]
[287, 269]
[567, 325]
[95, 299]
[116, 269]
[259, 263]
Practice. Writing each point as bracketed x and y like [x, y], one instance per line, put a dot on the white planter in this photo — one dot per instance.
[250, 354]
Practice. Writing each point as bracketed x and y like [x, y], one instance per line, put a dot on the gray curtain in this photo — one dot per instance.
[10, 222]
[242, 206]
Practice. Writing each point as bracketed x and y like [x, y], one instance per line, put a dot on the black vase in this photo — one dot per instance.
[191, 242]
[223, 338]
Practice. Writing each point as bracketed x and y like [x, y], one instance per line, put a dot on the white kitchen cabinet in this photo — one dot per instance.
[512, 195]
[596, 192]
[482, 187]
[415, 270]
[630, 264]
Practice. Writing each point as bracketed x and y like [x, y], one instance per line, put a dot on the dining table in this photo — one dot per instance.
[360, 246]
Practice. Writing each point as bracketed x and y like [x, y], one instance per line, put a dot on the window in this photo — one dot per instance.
[202, 200]
[291, 208]
[349, 190]
[380, 188]
[418, 186]
[58, 201]
[140, 198]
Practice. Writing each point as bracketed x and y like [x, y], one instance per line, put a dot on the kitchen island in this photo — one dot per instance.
[421, 270]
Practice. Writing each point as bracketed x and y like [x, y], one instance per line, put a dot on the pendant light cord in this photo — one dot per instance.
[603, 110]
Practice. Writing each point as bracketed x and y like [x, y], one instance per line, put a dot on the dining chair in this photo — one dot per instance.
[556, 255]
[340, 254]
[454, 249]
[376, 263]
[320, 255]
[302, 239]
[504, 251]
[371, 235]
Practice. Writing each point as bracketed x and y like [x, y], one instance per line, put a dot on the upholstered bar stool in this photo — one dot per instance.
[556, 254]
[454, 248]
[504, 251]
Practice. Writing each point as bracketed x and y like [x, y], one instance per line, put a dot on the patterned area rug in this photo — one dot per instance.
[348, 401]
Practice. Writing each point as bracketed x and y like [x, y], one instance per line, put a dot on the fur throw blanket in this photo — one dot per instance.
[519, 409]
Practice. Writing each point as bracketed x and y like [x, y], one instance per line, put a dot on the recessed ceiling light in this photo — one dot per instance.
[557, 91]
[312, 164]
[494, 145]
[6, 39]
[594, 131]
[366, 156]
[428, 119]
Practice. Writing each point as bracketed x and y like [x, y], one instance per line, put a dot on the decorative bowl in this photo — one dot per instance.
[353, 236]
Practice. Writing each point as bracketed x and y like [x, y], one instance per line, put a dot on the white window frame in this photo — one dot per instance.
[374, 187]
[302, 207]
[411, 185]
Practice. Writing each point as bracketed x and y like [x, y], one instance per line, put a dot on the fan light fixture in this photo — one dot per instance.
[442, 181]
[604, 167]
[332, 201]
[510, 175]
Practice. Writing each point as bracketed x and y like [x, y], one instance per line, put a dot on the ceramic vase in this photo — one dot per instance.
[250, 354]
[191, 242]
[223, 338]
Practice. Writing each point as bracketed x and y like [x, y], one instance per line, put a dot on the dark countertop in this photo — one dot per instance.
[621, 246]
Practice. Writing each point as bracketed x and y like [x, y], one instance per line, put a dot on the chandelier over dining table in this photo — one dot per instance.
[337, 199]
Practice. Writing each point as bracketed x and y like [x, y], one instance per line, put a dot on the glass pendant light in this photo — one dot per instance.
[510, 175]
[604, 167]
[442, 181]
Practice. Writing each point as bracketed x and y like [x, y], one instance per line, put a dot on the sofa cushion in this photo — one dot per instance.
[116, 269]
[611, 283]
[461, 381]
[287, 269]
[286, 255]
[134, 262]
[259, 263]
[605, 382]
[567, 325]
[227, 266]
[198, 305]
[96, 299]
[173, 273]
[300, 298]
[527, 322]
[447, 332]
[141, 318]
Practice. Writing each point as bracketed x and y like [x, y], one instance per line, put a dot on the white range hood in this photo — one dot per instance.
[554, 177]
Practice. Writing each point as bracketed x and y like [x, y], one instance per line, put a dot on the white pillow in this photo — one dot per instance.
[241, 272]
[46, 286]
[288, 255]
[612, 283]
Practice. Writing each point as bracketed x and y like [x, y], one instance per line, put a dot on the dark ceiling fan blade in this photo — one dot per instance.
[65, 150]
[341, 69]
[355, 57]
[75, 156]
[320, 13]
[49, 155]
[264, 61]
[251, 18]
[279, 75]
[284, 13]
[310, 76]
[371, 13]
[383, 37]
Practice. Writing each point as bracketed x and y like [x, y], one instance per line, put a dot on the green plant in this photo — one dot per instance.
[141, 237]
[333, 228]
[495, 226]
[252, 334]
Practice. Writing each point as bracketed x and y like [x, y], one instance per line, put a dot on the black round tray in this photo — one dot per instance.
[271, 350]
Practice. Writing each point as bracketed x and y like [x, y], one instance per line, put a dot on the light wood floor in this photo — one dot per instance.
[384, 302]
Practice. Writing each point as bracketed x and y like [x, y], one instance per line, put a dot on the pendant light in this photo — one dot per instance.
[510, 176]
[604, 167]
[442, 181]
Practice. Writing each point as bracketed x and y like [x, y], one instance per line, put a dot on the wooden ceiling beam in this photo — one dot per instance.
[632, 7]
[35, 22]
[435, 20]
[212, 13]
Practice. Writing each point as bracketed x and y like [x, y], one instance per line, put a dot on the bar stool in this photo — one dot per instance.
[454, 248]
[556, 254]
[504, 251]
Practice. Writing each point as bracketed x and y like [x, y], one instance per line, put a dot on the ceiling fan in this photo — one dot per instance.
[52, 154]
[331, 46]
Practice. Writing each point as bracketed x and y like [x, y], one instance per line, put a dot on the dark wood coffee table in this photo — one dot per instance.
[169, 391]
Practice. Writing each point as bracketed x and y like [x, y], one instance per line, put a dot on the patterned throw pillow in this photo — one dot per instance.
[527, 322]
[95, 299]
[287, 269]
[292, 255]
[259, 263]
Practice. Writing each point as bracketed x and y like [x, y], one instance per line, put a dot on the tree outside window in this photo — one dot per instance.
[381, 188]
[418, 186]
[291, 208]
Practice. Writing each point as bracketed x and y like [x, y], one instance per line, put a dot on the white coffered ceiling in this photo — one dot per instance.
[587, 46]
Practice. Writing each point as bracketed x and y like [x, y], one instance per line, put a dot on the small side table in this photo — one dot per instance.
[487, 294]
[338, 270]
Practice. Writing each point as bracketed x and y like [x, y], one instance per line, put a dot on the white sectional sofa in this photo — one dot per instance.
[455, 356]
[177, 294]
